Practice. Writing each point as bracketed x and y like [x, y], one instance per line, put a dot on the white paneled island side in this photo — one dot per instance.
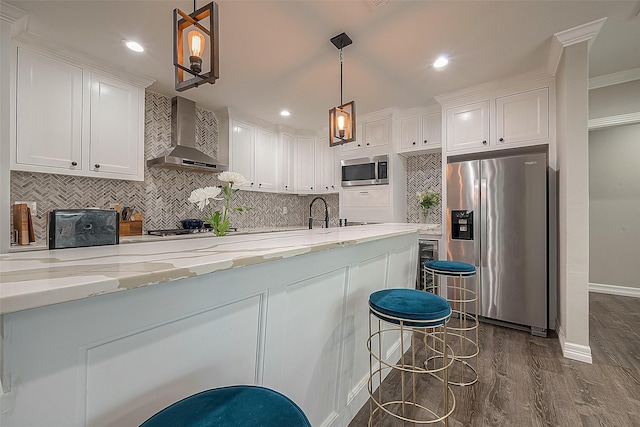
[107, 336]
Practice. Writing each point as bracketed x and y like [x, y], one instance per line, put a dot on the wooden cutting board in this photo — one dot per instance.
[21, 223]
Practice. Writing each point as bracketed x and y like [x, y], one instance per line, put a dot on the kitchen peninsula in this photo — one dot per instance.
[107, 336]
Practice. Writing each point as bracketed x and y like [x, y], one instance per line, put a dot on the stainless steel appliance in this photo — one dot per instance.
[497, 220]
[183, 154]
[73, 228]
[427, 251]
[365, 171]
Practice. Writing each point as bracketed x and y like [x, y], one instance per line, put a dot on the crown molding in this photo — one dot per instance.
[581, 33]
[614, 78]
[622, 119]
[32, 41]
[532, 78]
[10, 13]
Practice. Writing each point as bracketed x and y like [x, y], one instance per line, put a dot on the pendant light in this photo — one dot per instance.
[342, 119]
[200, 45]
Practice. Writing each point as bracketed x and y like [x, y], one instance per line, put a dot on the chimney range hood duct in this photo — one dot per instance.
[183, 154]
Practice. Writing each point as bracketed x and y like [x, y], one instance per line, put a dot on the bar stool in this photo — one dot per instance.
[393, 314]
[463, 328]
[234, 406]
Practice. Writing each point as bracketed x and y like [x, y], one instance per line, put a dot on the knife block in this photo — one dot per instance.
[130, 228]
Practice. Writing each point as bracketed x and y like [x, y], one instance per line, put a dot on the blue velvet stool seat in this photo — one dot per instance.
[234, 406]
[455, 281]
[399, 319]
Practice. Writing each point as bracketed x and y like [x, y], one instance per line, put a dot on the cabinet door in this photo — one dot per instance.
[266, 160]
[332, 168]
[432, 130]
[468, 126]
[48, 112]
[117, 145]
[350, 146]
[305, 163]
[320, 165]
[522, 117]
[242, 151]
[376, 133]
[288, 162]
[410, 133]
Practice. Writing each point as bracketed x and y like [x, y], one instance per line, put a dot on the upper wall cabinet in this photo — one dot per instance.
[420, 133]
[75, 120]
[522, 117]
[254, 154]
[371, 134]
[510, 116]
[468, 126]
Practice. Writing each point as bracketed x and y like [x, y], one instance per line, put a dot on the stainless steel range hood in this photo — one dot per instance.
[183, 154]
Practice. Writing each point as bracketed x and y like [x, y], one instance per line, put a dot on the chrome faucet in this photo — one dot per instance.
[326, 213]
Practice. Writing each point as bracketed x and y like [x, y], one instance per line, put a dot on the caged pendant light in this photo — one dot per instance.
[201, 33]
[342, 119]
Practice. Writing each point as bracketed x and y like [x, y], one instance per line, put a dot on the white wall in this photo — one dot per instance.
[5, 50]
[573, 175]
[614, 100]
[614, 203]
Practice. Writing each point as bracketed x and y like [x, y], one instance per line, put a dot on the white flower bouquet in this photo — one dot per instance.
[427, 200]
[203, 197]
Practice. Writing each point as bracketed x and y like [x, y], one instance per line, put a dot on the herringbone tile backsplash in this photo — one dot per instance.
[163, 194]
[424, 173]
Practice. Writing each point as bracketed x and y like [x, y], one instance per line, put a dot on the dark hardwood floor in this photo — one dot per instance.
[524, 380]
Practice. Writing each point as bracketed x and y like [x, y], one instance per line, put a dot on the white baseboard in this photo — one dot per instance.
[626, 291]
[579, 352]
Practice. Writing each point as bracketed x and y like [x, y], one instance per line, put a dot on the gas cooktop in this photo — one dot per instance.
[179, 231]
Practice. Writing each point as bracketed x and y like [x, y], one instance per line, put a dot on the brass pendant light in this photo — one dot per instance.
[201, 33]
[342, 119]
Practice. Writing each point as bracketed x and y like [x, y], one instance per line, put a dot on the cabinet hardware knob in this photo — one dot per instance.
[333, 186]
[484, 142]
[501, 139]
[312, 188]
[74, 163]
[425, 141]
[326, 188]
[97, 165]
[286, 186]
[367, 143]
[260, 185]
[358, 145]
[414, 143]
[252, 184]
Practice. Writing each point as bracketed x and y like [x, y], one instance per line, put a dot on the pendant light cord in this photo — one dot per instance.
[194, 5]
[340, 77]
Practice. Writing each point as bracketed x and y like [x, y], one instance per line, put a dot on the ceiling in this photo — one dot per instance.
[277, 55]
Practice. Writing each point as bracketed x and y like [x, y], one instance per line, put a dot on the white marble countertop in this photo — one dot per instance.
[40, 278]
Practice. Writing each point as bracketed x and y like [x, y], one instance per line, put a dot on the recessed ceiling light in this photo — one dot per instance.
[134, 46]
[285, 113]
[441, 62]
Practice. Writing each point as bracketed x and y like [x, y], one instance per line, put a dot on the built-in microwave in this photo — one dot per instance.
[365, 171]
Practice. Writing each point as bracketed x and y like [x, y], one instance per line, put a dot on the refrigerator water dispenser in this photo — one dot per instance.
[462, 225]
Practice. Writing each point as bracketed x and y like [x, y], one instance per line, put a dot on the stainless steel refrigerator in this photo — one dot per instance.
[497, 221]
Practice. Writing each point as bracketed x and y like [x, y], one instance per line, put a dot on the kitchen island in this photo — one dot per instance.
[107, 336]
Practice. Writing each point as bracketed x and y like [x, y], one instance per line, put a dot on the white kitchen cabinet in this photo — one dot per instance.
[75, 120]
[370, 134]
[242, 150]
[287, 164]
[522, 117]
[254, 154]
[325, 166]
[266, 160]
[48, 113]
[117, 137]
[305, 163]
[468, 126]
[357, 144]
[419, 133]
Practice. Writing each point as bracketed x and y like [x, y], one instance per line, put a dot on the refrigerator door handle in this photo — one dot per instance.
[477, 219]
[483, 222]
